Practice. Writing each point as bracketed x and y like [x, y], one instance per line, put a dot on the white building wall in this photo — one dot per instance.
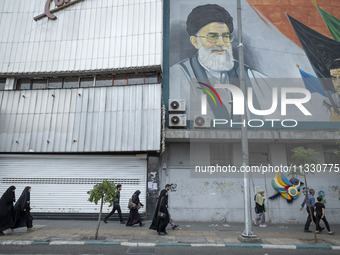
[220, 198]
[89, 35]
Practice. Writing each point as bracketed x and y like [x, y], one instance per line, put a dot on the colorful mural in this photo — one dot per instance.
[308, 11]
[289, 189]
[204, 50]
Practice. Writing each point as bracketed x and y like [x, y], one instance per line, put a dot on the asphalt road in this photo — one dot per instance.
[102, 249]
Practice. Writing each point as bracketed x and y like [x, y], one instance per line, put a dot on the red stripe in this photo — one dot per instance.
[213, 90]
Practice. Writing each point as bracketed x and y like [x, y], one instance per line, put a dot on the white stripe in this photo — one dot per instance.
[336, 247]
[207, 245]
[21, 242]
[147, 244]
[129, 244]
[6, 242]
[67, 243]
[274, 246]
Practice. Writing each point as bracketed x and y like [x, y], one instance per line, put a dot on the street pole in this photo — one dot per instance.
[244, 132]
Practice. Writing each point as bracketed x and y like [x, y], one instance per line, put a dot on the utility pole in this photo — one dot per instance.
[244, 132]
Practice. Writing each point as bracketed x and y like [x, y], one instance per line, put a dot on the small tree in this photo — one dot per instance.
[304, 158]
[105, 192]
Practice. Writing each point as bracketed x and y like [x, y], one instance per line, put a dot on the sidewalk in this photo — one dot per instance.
[63, 232]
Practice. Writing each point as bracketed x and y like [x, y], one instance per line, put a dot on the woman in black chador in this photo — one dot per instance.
[6, 209]
[161, 217]
[22, 211]
[134, 216]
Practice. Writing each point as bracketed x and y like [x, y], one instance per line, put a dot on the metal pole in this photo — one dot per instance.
[244, 133]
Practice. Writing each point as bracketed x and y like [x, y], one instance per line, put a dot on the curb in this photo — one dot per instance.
[131, 244]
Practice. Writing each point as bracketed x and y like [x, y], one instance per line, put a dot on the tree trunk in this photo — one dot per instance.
[99, 218]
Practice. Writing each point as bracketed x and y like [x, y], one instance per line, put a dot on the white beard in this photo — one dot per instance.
[214, 61]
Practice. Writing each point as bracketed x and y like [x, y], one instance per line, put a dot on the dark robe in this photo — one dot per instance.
[162, 223]
[155, 216]
[22, 214]
[6, 209]
[134, 216]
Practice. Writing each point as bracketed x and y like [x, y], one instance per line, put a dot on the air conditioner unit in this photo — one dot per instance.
[177, 120]
[202, 121]
[176, 105]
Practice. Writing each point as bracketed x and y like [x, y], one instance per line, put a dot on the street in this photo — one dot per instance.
[105, 249]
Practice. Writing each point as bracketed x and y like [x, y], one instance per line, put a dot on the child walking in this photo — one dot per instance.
[320, 215]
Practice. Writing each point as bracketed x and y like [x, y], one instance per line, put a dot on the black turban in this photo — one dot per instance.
[205, 14]
[335, 64]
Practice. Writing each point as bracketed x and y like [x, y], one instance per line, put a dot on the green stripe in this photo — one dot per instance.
[207, 91]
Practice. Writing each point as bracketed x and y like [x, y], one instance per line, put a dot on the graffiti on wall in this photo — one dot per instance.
[287, 188]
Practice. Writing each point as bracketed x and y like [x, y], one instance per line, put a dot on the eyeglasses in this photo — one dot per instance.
[213, 37]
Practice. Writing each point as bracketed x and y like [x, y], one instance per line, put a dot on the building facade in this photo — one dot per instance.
[100, 89]
[80, 99]
[203, 134]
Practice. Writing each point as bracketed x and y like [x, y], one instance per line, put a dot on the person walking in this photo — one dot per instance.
[260, 209]
[160, 223]
[320, 215]
[162, 213]
[172, 223]
[116, 206]
[7, 209]
[22, 211]
[134, 216]
[310, 205]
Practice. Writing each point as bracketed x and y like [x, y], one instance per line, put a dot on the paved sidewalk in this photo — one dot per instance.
[63, 232]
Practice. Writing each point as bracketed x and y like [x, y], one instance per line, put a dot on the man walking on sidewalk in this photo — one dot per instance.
[172, 223]
[310, 206]
[116, 206]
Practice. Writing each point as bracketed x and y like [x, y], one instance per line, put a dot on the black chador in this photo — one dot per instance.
[6, 209]
[22, 210]
[134, 216]
[160, 223]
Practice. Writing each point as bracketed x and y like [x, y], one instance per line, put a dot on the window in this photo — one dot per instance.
[120, 80]
[259, 154]
[2, 84]
[71, 82]
[86, 82]
[55, 83]
[104, 81]
[151, 78]
[289, 152]
[24, 84]
[39, 83]
[221, 154]
[330, 154]
[135, 79]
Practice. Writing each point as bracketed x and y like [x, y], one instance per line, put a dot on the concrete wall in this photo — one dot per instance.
[208, 198]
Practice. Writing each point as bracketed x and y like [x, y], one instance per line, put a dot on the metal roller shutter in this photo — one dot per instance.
[60, 182]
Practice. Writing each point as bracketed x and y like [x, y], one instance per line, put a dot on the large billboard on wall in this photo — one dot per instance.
[291, 64]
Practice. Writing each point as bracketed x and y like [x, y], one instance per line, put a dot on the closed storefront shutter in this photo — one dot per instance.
[60, 182]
